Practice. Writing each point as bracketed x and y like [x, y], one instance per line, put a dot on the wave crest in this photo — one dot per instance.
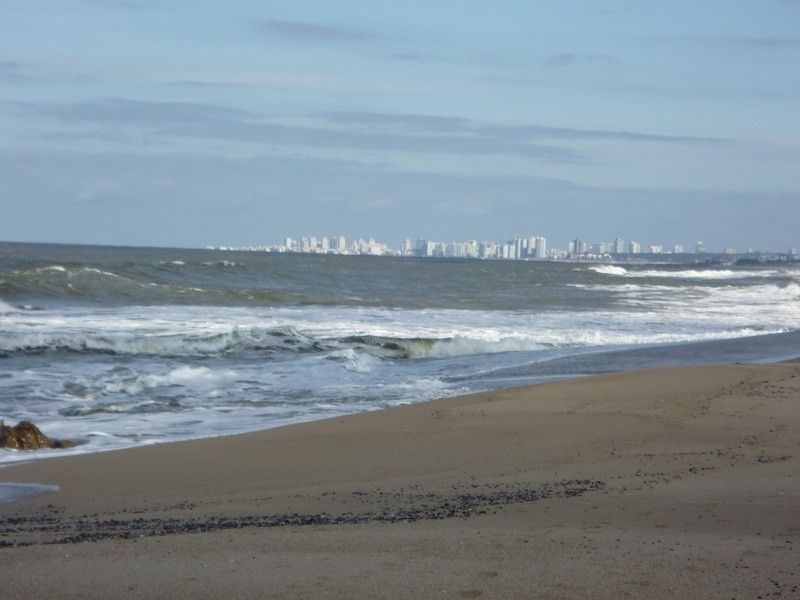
[609, 270]
[708, 274]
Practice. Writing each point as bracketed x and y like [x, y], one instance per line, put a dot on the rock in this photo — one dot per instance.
[26, 436]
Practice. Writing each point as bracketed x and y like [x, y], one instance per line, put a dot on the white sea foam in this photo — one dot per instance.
[353, 360]
[710, 274]
[98, 272]
[609, 269]
[462, 345]
[190, 376]
[706, 274]
[75, 270]
[193, 331]
[222, 263]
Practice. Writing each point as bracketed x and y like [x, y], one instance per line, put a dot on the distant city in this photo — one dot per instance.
[521, 248]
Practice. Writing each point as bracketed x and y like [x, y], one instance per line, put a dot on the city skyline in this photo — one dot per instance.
[172, 123]
[517, 248]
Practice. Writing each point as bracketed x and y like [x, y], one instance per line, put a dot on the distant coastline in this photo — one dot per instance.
[684, 258]
[642, 258]
[520, 248]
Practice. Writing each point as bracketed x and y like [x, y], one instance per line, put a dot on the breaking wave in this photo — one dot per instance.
[286, 341]
[710, 274]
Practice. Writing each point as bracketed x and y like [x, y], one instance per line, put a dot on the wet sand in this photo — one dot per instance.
[665, 483]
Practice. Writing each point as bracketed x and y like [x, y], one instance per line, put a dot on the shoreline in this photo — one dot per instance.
[764, 348]
[678, 481]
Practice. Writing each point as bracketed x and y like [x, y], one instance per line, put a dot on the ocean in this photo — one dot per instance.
[117, 347]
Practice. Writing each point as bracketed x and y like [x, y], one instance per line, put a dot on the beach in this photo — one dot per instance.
[660, 483]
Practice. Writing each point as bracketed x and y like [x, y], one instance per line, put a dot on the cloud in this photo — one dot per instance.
[409, 57]
[374, 136]
[428, 123]
[373, 132]
[25, 72]
[302, 30]
[12, 71]
[559, 60]
[196, 83]
[119, 111]
[565, 59]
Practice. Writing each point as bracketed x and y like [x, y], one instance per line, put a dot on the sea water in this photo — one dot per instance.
[115, 347]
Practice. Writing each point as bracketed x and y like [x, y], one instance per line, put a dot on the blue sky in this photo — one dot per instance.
[145, 122]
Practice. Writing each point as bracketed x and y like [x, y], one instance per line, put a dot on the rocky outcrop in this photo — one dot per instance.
[26, 436]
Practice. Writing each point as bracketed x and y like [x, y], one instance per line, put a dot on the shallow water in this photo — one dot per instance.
[11, 492]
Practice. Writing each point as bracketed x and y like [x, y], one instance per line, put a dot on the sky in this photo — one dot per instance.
[193, 123]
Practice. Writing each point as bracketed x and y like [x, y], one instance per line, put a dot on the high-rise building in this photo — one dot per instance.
[541, 247]
[425, 248]
[487, 250]
[453, 249]
[619, 246]
[634, 248]
[520, 247]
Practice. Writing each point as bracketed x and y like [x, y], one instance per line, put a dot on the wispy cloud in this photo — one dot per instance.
[559, 60]
[26, 72]
[196, 83]
[372, 132]
[409, 57]
[436, 124]
[118, 111]
[565, 59]
[11, 71]
[303, 30]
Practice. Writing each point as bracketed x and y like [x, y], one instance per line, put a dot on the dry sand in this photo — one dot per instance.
[669, 483]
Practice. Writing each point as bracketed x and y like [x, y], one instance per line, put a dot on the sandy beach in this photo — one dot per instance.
[668, 483]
